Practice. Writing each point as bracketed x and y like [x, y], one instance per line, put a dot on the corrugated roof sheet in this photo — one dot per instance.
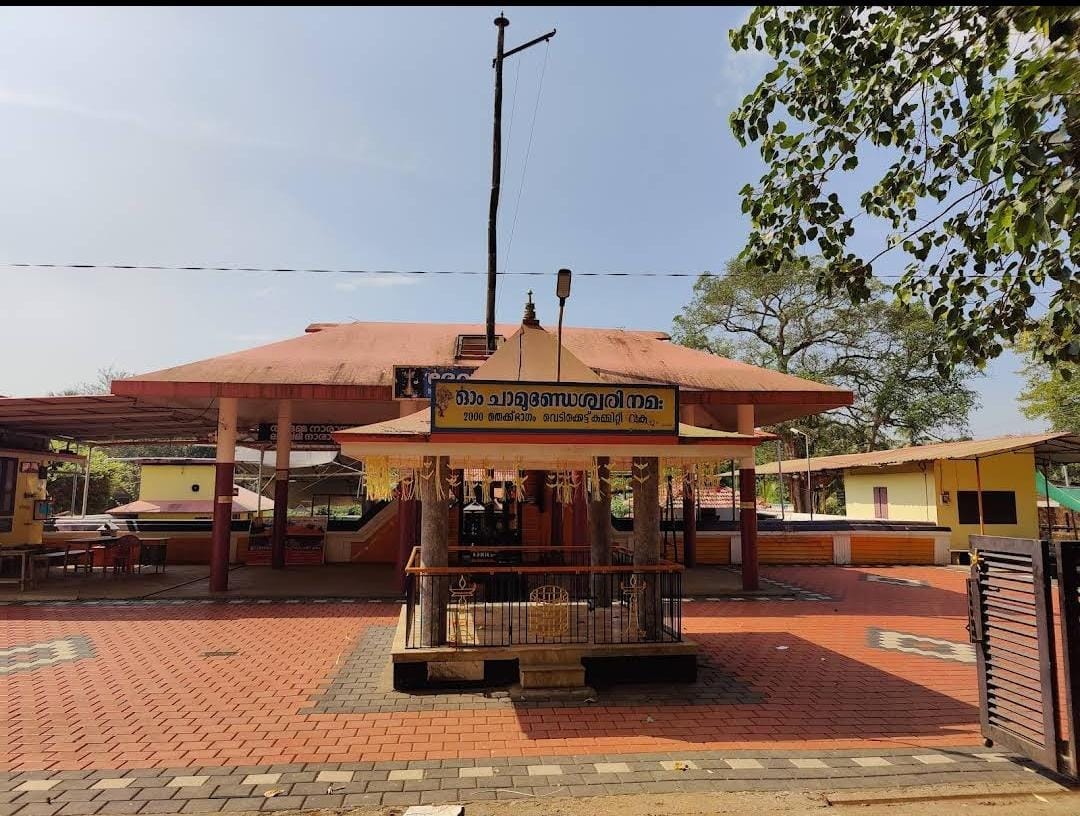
[968, 449]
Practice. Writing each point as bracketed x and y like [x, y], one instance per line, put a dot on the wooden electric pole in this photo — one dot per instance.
[496, 169]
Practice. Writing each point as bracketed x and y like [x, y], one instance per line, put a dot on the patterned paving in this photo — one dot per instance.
[195, 687]
[364, 684]
[291, 786]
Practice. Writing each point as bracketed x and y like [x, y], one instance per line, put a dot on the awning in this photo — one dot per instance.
[103, 418]
[1069, 499]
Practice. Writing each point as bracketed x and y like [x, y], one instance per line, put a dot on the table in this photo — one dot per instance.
[24, 556]
[152, 553]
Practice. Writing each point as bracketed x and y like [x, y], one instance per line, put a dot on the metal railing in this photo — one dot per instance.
[537, 602]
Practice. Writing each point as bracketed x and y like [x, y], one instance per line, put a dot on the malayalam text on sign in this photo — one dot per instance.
[554, 407]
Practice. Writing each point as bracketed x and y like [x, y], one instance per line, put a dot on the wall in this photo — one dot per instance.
[911, 492]
[174, 482]
[28, 488]
[1005, 471]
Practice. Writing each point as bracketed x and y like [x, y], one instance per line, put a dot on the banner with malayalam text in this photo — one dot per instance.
[523, 407]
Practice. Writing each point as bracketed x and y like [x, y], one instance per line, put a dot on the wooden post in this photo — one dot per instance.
[580, 513]
[434, 530]
[496, 182]
[979, 495]
[281, 484]
[406, 519]
[748, 504]
[689, 515]
[223, 494]
[600, 531]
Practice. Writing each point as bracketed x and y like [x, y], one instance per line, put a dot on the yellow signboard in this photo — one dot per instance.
[517, 407]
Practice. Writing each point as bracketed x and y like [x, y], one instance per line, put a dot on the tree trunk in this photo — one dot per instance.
[434, 533]
[646, 478]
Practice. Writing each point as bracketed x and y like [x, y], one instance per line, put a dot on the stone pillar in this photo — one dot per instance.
[600, 532]
[406, 519]
[646, 485]
[434, 530]
[281, 484]
[748, 505]
[223, 494]
[689, 515]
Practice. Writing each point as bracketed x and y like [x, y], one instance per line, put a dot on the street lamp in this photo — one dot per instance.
[809, 486]
[562, 292]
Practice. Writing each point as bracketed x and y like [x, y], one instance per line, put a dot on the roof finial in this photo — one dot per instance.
[530, 318]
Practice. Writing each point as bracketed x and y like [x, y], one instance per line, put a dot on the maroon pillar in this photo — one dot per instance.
[748, 526]
[282, 454]
[689, 521]
[222, 526]
[223, 494]
[281, 519]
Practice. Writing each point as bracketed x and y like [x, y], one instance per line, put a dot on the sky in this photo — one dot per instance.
[358, 139]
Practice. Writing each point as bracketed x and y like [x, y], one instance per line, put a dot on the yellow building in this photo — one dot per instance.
[976, 487]
[183, 488]
[24, 504]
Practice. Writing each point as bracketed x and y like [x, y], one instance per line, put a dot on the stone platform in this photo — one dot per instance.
[541, 666]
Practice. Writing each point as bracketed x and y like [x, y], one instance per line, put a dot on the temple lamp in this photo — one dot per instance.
[809, 485]
[562, 292]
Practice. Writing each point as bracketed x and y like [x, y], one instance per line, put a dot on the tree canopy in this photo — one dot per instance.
[976, 112]
[881, 350]
[1052, 395]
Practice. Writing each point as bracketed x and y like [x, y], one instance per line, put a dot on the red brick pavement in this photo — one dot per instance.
[149, 698]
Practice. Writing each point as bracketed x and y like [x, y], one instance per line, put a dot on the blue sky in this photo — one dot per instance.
[357, 138]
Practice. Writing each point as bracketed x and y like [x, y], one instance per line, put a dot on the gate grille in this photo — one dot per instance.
[1011, 625]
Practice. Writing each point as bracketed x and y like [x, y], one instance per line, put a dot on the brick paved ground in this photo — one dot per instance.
[231, 690]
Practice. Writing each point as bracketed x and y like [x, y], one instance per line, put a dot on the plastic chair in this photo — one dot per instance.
[121, 555]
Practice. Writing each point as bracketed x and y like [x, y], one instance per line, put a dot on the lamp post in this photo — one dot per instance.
[562, 292]
[809, 486]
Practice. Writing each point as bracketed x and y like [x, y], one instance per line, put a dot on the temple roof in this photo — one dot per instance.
[357, 359]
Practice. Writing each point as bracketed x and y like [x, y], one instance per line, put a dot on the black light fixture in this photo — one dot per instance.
[562, 292]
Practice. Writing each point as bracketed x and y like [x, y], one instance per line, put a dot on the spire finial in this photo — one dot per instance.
[530, 318]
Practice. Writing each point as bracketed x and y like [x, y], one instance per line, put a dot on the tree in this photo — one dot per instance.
[976, 110]
[1051, 394]
[881, 350]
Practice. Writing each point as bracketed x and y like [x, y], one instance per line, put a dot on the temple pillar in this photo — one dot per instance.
[748, 504]
[281, 484]
[434, 529]
[599, 508]
[224, 467]
[689, 515]
[646, 485]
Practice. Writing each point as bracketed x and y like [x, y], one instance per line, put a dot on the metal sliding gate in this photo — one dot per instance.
[1024, 647]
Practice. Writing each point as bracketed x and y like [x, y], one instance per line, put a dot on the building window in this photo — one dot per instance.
[9, 474]
[881, 503]
[999, 506]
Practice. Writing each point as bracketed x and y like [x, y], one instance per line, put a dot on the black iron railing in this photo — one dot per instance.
[473, 605]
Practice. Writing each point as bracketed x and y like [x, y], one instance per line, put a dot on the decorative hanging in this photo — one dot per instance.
[519, 480]
[378, 478]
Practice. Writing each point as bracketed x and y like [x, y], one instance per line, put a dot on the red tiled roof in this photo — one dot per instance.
[364, 354]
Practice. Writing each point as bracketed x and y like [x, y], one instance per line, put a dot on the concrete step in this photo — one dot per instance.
[551, 675]
[583, 695]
